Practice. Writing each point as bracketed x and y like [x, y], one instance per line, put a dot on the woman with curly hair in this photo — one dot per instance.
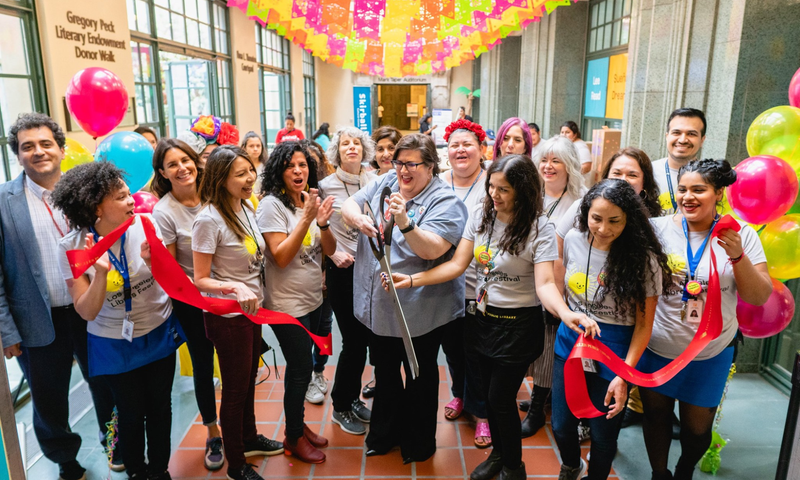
[514, 138]
[742, 269]
[293, 220]
[229, 263]
[615, 271]
[132, 331]
[514, 247]
[385, 139]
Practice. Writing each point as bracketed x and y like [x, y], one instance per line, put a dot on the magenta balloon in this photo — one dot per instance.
[144, 202]
[770, 318]
[794, 90]
[765, 189]
[97, 99]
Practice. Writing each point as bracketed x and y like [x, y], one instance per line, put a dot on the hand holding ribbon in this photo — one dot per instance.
[177, 285]
[710, 328]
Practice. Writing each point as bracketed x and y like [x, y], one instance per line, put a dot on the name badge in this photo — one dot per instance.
[483, 300]
[127, 328]
[694, 311]
[589, 365]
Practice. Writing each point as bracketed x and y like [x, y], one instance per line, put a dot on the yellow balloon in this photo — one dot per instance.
[775, 132]
[781, 242]
[74, 154]
[254, 200]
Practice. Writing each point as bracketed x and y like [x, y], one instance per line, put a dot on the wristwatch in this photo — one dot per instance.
[410, 227]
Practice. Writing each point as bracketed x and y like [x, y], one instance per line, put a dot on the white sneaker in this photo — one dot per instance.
[321, 382]
[313, 394]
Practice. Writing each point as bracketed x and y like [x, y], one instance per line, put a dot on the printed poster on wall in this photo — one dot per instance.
[362, 108]
[596, 88]
[441, 118]
[617, 69]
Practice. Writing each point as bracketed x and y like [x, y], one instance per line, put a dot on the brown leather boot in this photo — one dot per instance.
[302, 449]
[317, 440]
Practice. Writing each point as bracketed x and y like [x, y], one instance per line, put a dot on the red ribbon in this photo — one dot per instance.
[710, 327]
[171, 277]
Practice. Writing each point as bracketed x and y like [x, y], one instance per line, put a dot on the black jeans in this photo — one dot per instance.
[202, 352]
[355, 338]
[405, 415]
[296, 346]
[144, 404]
[325, 322]
[48, 370]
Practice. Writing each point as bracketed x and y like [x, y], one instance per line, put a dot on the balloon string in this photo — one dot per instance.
[111, 438]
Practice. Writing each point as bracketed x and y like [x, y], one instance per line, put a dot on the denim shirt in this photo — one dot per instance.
[437, 210]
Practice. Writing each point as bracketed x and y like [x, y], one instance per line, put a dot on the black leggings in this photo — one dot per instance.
[696, 423]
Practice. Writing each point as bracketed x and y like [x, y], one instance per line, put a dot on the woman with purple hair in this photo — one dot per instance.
[513, 138]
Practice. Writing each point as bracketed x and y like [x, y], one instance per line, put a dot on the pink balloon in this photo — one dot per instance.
[765, 189]
[794, 90]
[98, 100]
[770, 318]
[144, 202]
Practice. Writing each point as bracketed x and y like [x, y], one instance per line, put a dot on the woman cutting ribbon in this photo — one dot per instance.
[514, 246]
[229, 263]
[615, 271]
[740, 261]
[132, 332]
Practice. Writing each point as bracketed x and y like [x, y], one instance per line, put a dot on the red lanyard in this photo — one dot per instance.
[51, 216]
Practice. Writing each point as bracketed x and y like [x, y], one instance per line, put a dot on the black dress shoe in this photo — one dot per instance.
[372, 452]
[516, 474]
[487, 469]
[532, 422]
[524, 405]
[631, 418]
[369, 389]
[407, 460]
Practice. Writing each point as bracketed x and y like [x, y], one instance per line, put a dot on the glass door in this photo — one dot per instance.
[186, 83]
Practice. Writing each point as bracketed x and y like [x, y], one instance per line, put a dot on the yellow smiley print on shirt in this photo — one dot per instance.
[482, 255]
[578, 283]
[308, 238]
[665, 200]
[251, 245]
[114, 281]
[676, 262]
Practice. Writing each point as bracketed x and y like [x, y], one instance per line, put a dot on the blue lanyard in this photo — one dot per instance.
[694, 260]
[121, 265]
[671, 192]
[453, 185]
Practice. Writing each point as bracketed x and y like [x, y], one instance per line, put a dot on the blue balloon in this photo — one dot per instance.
[131, 153]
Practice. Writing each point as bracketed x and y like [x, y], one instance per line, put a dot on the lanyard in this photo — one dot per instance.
[61, 232]
[586, 287]
[121, 265]
[555, 204]
[347, 189]
[453, 185]
[694, 260]
[669, 184]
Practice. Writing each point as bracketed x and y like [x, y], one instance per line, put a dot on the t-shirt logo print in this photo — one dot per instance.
[114, 281]
[251, 246]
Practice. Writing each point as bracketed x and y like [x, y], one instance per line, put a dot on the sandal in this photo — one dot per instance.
[456, 407]
[482, 431]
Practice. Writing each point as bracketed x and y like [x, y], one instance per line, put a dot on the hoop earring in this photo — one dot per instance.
[306, 189]
[283, 191]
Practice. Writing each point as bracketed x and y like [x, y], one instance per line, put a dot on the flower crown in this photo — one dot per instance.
[465, 125]
[213, 130]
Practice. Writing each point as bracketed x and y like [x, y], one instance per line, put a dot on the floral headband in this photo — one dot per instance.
[464, 124]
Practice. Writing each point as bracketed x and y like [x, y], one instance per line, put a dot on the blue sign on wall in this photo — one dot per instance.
[362, 107]
[594, 104]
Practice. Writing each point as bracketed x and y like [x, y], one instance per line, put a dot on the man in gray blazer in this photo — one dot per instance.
[38, 322]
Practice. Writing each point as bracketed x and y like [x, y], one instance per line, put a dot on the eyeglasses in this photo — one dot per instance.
[410, 166]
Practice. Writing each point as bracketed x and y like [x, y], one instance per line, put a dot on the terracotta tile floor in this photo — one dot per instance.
[455, 458]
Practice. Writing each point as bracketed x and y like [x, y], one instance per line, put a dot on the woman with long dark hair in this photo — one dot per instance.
[322, 136]
[615, 271]
[257, 152]
[742, 268]
[176, 178]
[570, 131]
[514, 247]
[293, 220]
[229, 263]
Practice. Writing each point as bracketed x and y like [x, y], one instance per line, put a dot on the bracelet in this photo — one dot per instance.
[324, 227]
[738, 259]
[411, 279]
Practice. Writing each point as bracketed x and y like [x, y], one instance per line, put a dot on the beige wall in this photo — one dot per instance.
[460, 76]
[59, 54]
[245, 72]
[334, 95]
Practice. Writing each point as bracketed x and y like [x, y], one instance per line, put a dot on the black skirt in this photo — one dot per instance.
[507, 335]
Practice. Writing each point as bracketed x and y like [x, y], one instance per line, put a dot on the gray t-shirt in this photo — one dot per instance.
[567, 220]
[471, 198]
[150, 305]
[175, 220]
[234, 260]
[436, 210]
[346, 236]
[559, 205]
[671, 335]
[297, 288]
[511, 283]
[660, 174]
[582, 288]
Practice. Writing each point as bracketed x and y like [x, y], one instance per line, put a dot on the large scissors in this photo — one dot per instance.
[381, 248]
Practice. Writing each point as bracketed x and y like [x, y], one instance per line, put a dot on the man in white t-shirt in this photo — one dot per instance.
[686, 132]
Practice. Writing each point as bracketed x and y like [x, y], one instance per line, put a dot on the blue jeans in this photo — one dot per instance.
[604, 432]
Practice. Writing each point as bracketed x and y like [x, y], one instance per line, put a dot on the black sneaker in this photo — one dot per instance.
[247, 472]
[349, 422]
[160, 476]
[361, 411]
[262, 446]
[71, 471]
[215, 456]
